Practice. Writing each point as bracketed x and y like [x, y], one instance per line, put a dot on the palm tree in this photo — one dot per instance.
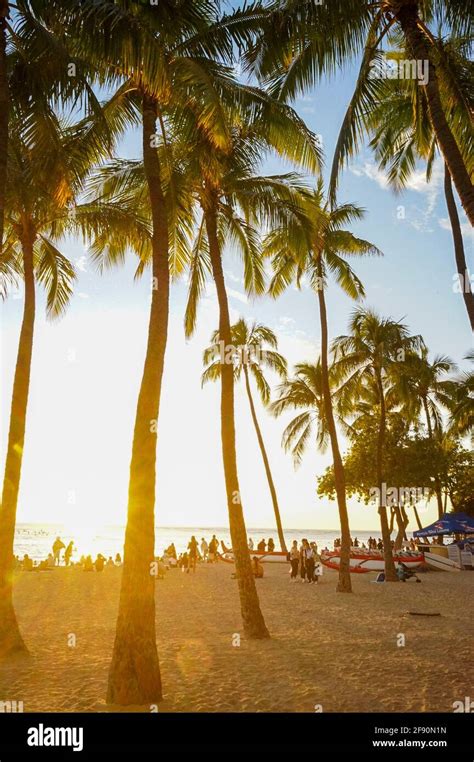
[302, 41]
[233, 199]
[40, 194]
[36, 76]
[461, 401]
[367, 356]
[314, 243]
[422, 387]
[164, 57]
[303, 392]
[248, 355]
[402, 131]
[4, 111]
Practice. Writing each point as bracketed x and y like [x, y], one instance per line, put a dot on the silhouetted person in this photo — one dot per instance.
[193, 551]
[257, 568]
[68, 553]
[58, 545]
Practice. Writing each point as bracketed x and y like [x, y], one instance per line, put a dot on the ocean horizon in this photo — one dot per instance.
[36, 538]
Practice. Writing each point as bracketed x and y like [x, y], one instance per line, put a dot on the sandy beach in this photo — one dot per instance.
[328, 651]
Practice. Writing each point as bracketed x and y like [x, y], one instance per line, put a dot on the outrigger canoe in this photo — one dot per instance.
[362, 561]
[275, 556]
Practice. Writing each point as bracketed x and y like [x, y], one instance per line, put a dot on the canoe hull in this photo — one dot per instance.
[361, 563]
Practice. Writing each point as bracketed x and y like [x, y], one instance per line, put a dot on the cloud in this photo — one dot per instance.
[230, 275]
[370, 170]
[81, 264]
[237, 295]
[419, 218]
[285, 321]
[466, 228]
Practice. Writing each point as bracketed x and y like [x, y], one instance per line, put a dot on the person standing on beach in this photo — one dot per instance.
[204, 549]
[294, 560]
[193, 549]
[250, 543]
[261, 546]
[58, 545]
[271, 545]
[308, 561]
[213, 549]
[68, 553]
[303, 560]
[316, 563]
[257, 568]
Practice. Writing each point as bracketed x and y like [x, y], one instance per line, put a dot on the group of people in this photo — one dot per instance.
[204, 551]
[372, 543]
[375, 544]
[86, 563]
[263, 546]
[305, 562]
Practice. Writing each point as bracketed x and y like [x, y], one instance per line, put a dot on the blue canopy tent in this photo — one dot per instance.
[449, 523]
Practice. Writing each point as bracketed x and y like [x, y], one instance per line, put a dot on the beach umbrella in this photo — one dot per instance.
[449, 523]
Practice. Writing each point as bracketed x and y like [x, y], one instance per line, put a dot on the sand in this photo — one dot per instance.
[328, 652]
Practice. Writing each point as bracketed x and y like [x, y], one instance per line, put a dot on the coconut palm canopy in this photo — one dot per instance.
[267, 176]
[415, 279]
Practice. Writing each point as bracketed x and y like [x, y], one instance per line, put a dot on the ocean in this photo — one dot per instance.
[37, 539]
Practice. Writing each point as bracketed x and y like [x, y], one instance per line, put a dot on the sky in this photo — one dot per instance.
[87, 366]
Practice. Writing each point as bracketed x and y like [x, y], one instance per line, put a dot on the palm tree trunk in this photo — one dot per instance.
[4, 113]
[402, 522]
[253, 621]
[390, 571]
[134, 676]
[11, 640]
[344, 584]
[405, 520]
[461, 264]
[408, 17]
[438, 491]
[417, 517]
[266, 463]
[392, 520]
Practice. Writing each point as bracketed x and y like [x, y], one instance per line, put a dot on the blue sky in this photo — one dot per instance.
[87, 367]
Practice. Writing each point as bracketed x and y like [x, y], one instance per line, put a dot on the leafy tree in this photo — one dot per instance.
[314, 242]
[234, 199]
[401, 130]
[367, 356]
[41, 192]
[166, 58]
[302, 41]
[302, 392]
[422, 388]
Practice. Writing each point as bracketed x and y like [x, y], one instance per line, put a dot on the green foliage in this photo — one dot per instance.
[253, 349]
